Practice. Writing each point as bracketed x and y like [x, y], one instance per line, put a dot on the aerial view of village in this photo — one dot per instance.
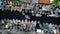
[29, 16]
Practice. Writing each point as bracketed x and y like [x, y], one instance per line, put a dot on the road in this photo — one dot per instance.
[16, 32]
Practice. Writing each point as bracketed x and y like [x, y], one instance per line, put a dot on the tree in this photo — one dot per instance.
[56, 2]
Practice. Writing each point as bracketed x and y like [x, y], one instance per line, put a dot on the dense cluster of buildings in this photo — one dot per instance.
[47, 28]
[39, 1]
[25, 15]
[18, 25]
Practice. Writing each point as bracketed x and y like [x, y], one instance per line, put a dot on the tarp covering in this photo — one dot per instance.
[34, 1]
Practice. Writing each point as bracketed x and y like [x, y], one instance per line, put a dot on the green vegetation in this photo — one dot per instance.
[56, 2]
[11, 0]
[15, 0]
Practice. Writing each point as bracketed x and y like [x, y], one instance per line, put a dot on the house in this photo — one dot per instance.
[44, 1]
